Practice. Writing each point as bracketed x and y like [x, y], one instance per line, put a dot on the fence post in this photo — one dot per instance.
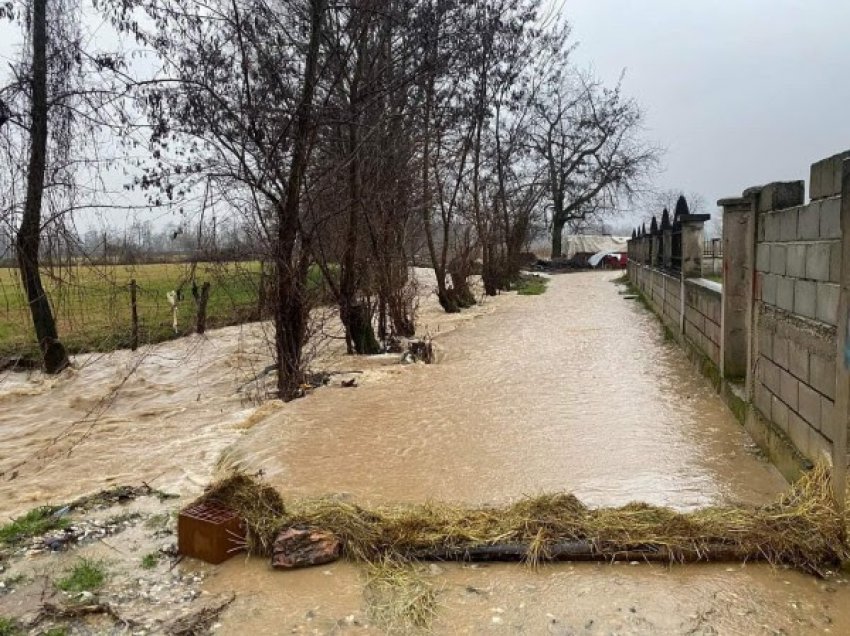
[202, 299]
[261, 293]
[692, 244]
[134, 316]
[738, 270]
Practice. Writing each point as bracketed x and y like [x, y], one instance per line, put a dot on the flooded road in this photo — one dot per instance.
[575, 390]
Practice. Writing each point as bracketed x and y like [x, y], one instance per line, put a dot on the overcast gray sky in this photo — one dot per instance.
[740, 92]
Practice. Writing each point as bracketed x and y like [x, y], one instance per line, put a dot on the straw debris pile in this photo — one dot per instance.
[802, 529]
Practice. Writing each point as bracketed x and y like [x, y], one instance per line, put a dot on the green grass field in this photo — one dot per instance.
[92, 303]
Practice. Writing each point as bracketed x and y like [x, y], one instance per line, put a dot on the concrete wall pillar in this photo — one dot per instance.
[656, 250]
[739, 219]
[667, 250]
[692, 244]
[841, 412]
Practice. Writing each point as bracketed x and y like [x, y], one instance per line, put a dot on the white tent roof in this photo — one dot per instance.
[593, 244]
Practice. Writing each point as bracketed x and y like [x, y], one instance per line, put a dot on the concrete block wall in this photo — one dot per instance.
[794, 385]
[798, 270]
[778, 330]
[712, 266]
[798, 259]
[703, 303]
[703, 300]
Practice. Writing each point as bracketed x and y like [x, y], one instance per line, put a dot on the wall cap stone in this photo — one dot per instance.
[779, 195]
[709, 285]
[729, 202]
[694, 218]
[825, 176]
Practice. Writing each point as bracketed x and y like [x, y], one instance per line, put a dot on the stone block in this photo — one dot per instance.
[778, 259]
[715, 308]
[830, 218]
[785, 293]
[779, 413]
[827, 303]
[769, 288]
[798, 431]
[714, 353]
[772, 227]
[760, 230]
[788, 224]
[795, 260]
[808, 222]
[765, 342]
[788, 389]
[835, 262]
[809, 405]
[822, 375]
[763, 257]
[819, 448]
[798, 361]
[817, 260]
[805, 298]
[770, 374]
[694, 318]
[828, 421]
[780, 195]
[780, 351]
[762, 399]
[825, 176]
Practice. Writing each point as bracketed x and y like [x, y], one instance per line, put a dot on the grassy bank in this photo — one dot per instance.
[92, 303]
[531, 285]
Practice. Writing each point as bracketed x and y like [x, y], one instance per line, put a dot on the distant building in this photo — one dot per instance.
[611, 251]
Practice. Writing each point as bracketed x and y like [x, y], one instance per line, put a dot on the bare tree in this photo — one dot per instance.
[589, 137]
[29, 233]
[234, 110]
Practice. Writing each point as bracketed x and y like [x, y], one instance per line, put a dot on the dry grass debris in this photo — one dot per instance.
[801, 529]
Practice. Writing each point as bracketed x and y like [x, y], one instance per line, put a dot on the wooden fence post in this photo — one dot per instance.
[134, 316]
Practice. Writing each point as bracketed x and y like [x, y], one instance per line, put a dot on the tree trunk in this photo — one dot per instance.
[290, 314]
[446, 299]
[356, 316]
[462, 295]
[29, 235]
[489, 271]
[557, 232]
[359, 325]
[290, 330]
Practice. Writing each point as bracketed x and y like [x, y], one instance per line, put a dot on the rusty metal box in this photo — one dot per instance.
[210, 532]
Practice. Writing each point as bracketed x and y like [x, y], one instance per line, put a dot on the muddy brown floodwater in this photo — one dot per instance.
[573, 390]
